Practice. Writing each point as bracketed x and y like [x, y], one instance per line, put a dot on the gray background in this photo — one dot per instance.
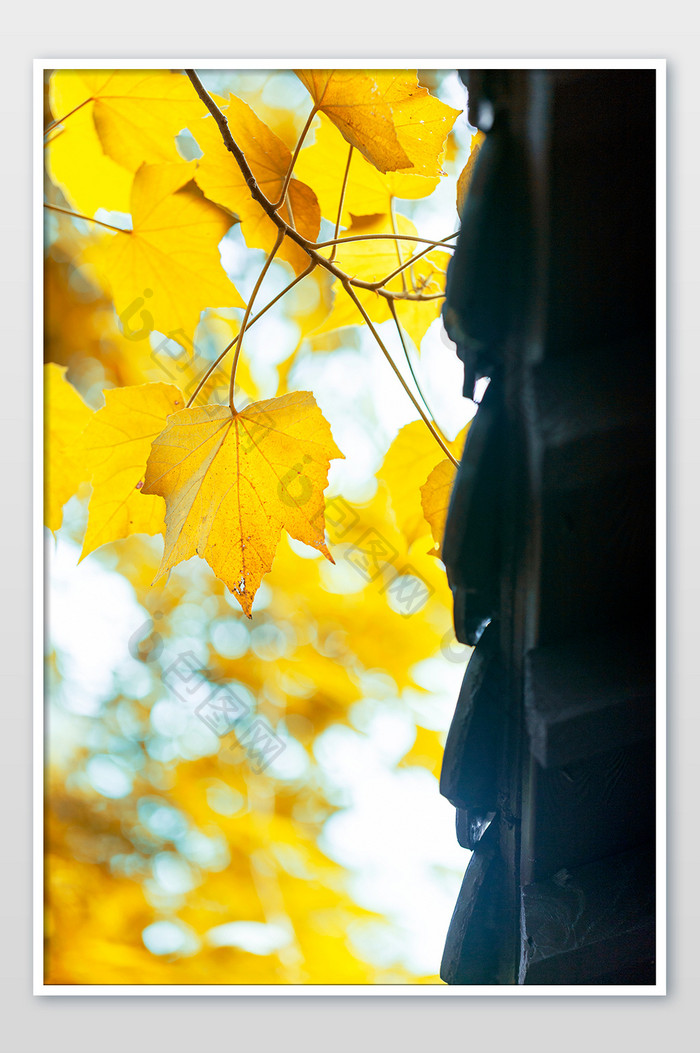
[364, 28]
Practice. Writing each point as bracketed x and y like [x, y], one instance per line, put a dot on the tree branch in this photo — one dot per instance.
[348, 283]
[388, 237]
[441, 443]
[257, 194]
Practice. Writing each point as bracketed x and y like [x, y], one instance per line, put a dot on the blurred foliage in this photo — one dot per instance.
[169, 858]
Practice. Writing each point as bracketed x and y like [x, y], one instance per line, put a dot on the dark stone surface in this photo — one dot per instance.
[593, 924]
[468, 776]
[587, 696]
[550, 535]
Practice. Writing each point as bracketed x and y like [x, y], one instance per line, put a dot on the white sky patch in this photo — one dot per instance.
[91, 614]
[396, 836]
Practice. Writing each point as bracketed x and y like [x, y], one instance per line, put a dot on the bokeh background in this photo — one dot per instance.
[174, 855]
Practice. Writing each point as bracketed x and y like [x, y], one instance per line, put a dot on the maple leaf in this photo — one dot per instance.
[170, 260]
[435, 500]
[422, 122]
[222, 181]
[353, 101]
[409, 462]
[115, 445]
[66, 417]
[368, 191]
[136, 113]
[467, 173]
[231, 482]
[88, 178]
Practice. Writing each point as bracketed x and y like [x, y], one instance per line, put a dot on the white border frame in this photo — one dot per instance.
[39, 986]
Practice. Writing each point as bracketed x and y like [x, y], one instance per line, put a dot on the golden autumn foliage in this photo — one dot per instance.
[229, 485]
[169, 855]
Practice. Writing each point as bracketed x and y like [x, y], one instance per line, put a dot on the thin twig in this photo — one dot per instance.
[419, 389]
[399, 270]
[257, 194]
[59, 133]
[441, 443]
[341, 203]
[348, 283]
[297, 148]
[397, 244]
[251, 323]
[88, 219]
[414, 297]
[246, 316]
[389, 237]
[52, 124]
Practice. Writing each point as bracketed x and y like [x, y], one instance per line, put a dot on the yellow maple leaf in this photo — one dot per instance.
[136, 113]
[354, 102]
[76, 162]
[231, 482]
[467, 173]
[368, 191]
[66, 415]
[435, 500]
[222, 181]
[170, 260]
[373, 260]
[422, 122]
[410, 460]
[115, 445]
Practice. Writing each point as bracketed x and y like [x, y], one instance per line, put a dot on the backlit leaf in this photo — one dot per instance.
[221, 180]
[66, 417]
[136, 113]
[422, 122]
[232, 482]
[368, 191]
[435, 500]
[467, 173]
[410, 460]
[169, 264]
[354, 102]
[372, 260]
[115, 445]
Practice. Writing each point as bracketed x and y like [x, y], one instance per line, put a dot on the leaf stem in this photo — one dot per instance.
[392, 308]
[415, 297]
[397, 244]
[297, 148]
[431, 427]
[88, 219]
[257, 194]
[251, 323]
[59, 120]
[399, 270]
[340, 204]
[246, 316]
[388, 237]
[349, 283]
